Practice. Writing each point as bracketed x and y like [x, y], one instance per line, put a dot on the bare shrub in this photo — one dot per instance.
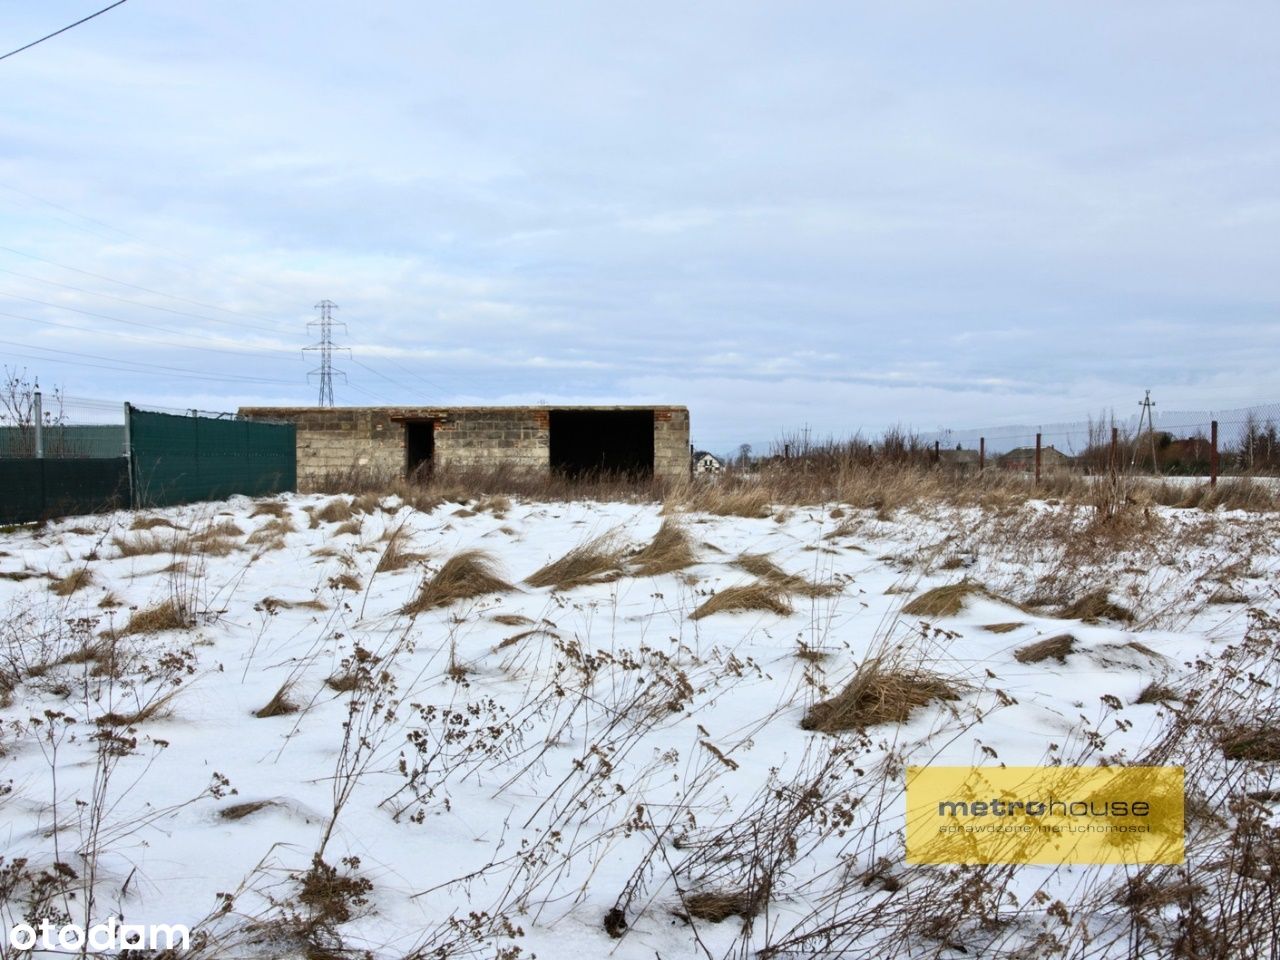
[1058, 648]
[752, 596]
[471, 573]
[880, 692]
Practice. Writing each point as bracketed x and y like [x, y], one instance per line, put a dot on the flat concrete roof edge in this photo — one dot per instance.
[419, 409]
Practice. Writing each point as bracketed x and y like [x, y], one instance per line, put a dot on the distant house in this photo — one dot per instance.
[1024, 459]
[704, 462]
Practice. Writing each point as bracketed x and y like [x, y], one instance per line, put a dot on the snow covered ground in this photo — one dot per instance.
[589, 765]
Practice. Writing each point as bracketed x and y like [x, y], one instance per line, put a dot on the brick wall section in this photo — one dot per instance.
[340, 439]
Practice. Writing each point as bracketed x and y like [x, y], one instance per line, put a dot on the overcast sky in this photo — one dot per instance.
[837, 214]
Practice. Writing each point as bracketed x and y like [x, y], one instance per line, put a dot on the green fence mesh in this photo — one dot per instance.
[104, 441]
[37, 489]
[183, 459]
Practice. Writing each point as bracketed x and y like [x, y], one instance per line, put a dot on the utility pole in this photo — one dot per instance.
[1147, 405]
[325, 348]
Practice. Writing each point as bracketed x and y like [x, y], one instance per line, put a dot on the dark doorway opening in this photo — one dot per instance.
[419, 447]
[602, 441]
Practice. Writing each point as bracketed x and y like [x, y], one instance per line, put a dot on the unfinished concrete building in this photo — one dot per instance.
[405, 441]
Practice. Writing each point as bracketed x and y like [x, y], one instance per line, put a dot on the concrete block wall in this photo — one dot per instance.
[671, 453]
[485, 437]
[337, 440]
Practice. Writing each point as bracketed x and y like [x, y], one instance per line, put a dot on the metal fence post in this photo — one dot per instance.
[936, 453]
[982, 453]
[37, 410]
[128, 455]
[1213, 453]
[1037, 459]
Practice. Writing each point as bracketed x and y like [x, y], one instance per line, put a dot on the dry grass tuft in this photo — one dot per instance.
[719, 905]
[595, 561]
[1003, 627]
[346, 681]
[1094, 606]
[878, 693]
[349, 528]
[1257, 742]
[1058, 648]
[166, 615]
[147, 711]
[471, 573]
[279, 705]
[238, 811]
[525, 635]
[722, 501]
[760, 595]
[270, 508]
[217, 531]
[669, 550]
[345, 581]
[272, 531]
[511, 620]
[272, 604]
[765, 569]
[77, 579]
[214, 547]
[1157, 692]
[143, 544]
[150, 523]
[394, 557]
[943, 601]
[332, 511]
[1227, 595]
[497, 505]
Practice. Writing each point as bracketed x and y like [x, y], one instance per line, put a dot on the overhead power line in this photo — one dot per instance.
[50, 36]
[132, 366]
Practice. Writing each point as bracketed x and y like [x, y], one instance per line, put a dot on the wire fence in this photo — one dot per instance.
[1172, 443]
[1243, 439]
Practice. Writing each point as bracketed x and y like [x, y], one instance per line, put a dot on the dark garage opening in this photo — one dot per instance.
[602, 441]
[419, 447]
